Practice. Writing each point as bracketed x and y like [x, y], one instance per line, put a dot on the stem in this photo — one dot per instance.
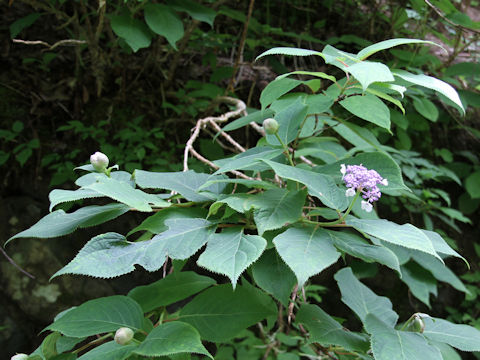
[285, 148]
[96, 341]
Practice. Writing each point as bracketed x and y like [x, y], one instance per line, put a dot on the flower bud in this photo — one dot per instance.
[19, 357]
[270, 126]
[99, 161]
[123, 335]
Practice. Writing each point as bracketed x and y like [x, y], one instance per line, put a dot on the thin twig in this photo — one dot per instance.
[66, 42]
[10, 260]
[437, 10]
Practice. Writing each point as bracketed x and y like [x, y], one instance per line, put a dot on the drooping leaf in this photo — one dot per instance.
[420, 282]
[249, 159]
[219, 313]
[367, 72]
[307, 251]
[276, 207]
[277, 88]
[319, 74]
[462, 337]
[133, 31]
[59, 196]
[163, 21]
[195, 10]
[231, 252]
[289, 121]
[100, 316]
[274, 276]
[59, 223]
[111, 255]
[174, 287]
[321, 186]
[172, 338]
[368, 107]
[387, 44]
[327, 331]
[441, 246]
[109, 351]
[362, 300]
[257, 116]
[288, 51]
[391, 344]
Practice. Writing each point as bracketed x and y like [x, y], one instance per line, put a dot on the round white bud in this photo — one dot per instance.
[99, 161]
[270, 126]
[123, 335]
[19, 357]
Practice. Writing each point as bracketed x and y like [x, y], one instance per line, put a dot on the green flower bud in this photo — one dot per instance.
[123, 335]
[416, 324]
[19, 357]
[270, 126]
[99, 161]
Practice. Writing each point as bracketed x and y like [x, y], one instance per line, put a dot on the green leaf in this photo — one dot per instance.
[133, 31]
[276, 207]
[387, 97]
[321, 186]
[171, 289]
[362, 300]
[405, 235]
[462, 337]
[288, 51]
[420, 282]
[368, 107]
[277, 88]
[441, 246]
[231, 252]
[172, 338]
[186, 183]
[387, 44]
[124, 193]
[18, 25]
[358, 247]
[432, 83]
[289, 120]
[59, 223]
[165, 22]
[98, 316]
[318, 74]
[307, 251]
[59, 196]
[257, 116]
[391, 344]
[93, 177]
[472, 185]
[338, 58]
[249, 159]
[195, 10]
[426, 108]
[367, 72]
[219, 313]
[274, 276]
[109, 351]
[325, 330]
[110, 255]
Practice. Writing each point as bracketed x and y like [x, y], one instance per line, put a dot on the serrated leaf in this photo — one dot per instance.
[109, 351]
[59, 223]
[219, 313]
[362, 300]
[338, 58]
[276, 207]
[195, 10]
[368, 107]
[391, 344]
[59, 196]
[307, 251]
[441, 246]
[420, 282]
[172, 338]
[258, 184]
[231, 252]
[274, 276]
[100, 316]
[325, 330]
[462, 337]
[387, 44]
[110, 255]
[250, 158]
[358, 247]
[289, 121]
[277, 88]
[405, 235]
[174, 287]
[387, 97]
[321, 186]
[367, 72]
[133, 31]
[186, 183]
[432, 83]
[91, 178]
[288, 51]
[318, 74]
[257, 116]
[165, 22]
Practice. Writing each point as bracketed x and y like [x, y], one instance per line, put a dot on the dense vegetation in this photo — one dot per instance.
[166, 87]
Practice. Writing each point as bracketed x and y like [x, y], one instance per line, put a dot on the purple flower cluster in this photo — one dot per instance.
[358, 177]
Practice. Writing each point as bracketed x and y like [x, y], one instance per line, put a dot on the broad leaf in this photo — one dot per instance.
[289, 120]
[165, 22]
[174, 287]
[109, 351]
[100, 316]
[59, 196]
[172, 338]
[219, 313]
[249, 159]
[426, 108]
[195, 10]
[18, 25]
[362, 300]
[110, 255]
[257, 116]
[391, 344]
[59, 223]
[321, 186]
[367, 72]
[420, 282]
[327, 331]
[93, 177]
[338, 58]
[441, 246]
[288, 51]
[319, 74]
[133, 31]
[231, 252]
[368, 107]
[276, 207]
[307, 251]
[387, 44]
[462, 337]
[274, 276]
[277, 88]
